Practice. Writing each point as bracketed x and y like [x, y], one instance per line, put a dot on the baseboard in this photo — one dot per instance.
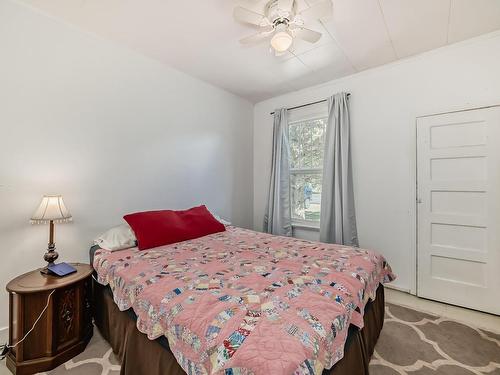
[4, 335]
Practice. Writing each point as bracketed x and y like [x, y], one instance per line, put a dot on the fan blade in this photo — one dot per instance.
[322, 9]
[257, 37]
[307, 35]
[247, 16]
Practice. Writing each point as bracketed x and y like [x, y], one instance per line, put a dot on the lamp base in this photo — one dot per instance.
[50, 257]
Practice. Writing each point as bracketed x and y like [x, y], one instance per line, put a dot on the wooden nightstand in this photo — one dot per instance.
[63, 330]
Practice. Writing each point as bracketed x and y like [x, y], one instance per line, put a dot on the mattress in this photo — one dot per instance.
[227, 301]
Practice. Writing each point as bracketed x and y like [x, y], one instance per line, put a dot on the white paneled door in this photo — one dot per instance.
[458, 190]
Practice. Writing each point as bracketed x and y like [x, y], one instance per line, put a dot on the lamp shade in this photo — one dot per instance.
[51, 208]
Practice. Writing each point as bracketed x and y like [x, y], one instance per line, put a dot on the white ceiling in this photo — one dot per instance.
[200, 37]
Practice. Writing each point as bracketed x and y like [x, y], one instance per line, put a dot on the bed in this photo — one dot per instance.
[241, 302]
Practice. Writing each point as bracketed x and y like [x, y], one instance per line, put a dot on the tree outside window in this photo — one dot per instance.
[307, 140]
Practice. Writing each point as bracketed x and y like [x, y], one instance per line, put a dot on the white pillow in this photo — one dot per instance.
[218, 218]
[117, 238]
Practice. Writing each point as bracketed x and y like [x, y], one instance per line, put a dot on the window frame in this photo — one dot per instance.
[316, 115]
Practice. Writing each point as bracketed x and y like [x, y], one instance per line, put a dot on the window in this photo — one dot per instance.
[307, 127]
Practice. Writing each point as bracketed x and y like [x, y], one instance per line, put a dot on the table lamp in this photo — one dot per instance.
[51, 210]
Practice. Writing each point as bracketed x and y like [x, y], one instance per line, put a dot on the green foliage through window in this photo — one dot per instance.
[307, 143]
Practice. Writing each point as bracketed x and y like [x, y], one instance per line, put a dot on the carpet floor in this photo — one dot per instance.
[411, 343]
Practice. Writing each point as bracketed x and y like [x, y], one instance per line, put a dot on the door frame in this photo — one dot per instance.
[414, 189]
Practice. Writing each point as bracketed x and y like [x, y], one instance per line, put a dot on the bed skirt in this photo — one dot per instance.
[141, 356]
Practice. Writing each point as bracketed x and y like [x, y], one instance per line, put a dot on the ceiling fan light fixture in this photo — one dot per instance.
[282, 21]
[281, 41]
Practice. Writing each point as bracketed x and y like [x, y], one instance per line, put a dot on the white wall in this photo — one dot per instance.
[384, 105]
[113, 132]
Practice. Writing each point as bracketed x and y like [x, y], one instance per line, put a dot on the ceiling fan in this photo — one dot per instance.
[282, 23]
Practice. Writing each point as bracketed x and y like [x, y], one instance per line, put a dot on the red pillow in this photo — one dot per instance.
[157, 228]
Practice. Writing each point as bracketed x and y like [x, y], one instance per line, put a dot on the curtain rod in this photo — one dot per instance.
[308, 104]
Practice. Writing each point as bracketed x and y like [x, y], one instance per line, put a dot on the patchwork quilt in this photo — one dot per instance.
[243, 302]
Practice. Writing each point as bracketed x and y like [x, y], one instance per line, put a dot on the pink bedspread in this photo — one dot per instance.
[242, 302]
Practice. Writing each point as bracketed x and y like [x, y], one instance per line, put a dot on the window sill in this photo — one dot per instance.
[307, 226]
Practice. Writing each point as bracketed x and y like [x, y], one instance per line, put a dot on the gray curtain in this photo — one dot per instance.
[338, 217]
[277, 219]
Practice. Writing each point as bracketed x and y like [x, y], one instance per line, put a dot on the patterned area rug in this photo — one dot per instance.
[416, 343]
[97, 359]
[411, 343]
